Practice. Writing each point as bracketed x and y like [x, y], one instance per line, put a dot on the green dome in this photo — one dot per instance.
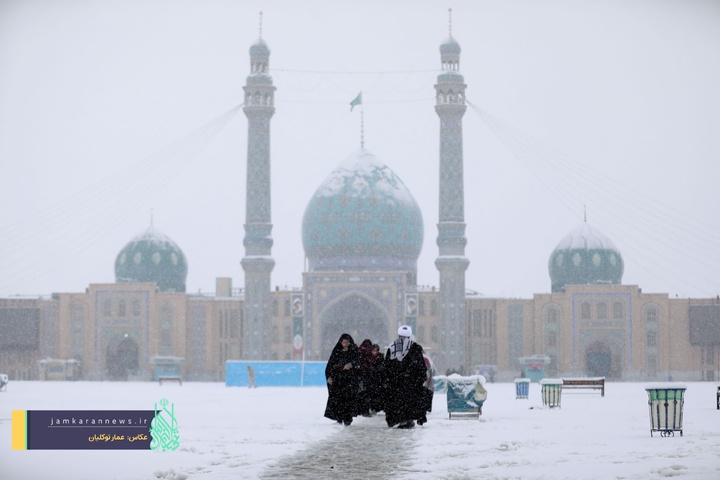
[152, 257]
[362, 218]
[259, 49]
[585, 256]
[450, 47]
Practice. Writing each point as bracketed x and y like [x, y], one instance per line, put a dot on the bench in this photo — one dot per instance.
[597, 383]
[167, 378]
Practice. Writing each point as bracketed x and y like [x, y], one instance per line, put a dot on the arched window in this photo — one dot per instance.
[602, 311]
[165, 330]
[652, 366]
[288, 334]
[652, 339]
[434, 333]
[275, 308]
[274, 335]
[122, 308]
[552, 328]
[618, 311]
[77, 331]
[477, 323]
[585, 310]
[165, 336]
[433, 307]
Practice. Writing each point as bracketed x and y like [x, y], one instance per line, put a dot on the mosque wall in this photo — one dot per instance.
[640, 336]
[427, 328]
[682, 354]
[21, 337]
[72, 330]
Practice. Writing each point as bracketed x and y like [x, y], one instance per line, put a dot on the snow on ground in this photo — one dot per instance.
[280, 433]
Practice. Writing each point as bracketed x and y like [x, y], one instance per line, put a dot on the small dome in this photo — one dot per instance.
[450, 46]
[152, 257]
[362, 218]
[585, 256]
[259, 48]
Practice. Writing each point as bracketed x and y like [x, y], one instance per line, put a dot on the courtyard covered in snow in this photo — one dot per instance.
[280, 433]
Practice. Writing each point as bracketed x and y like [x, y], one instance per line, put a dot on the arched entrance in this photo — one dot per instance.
[356, 315]
[122, 358]
[599, 360]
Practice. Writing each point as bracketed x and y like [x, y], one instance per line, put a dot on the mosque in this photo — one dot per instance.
[362, 233]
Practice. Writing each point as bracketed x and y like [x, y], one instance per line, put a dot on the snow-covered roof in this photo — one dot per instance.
[585, 237]
[360, 167]
[153, 235]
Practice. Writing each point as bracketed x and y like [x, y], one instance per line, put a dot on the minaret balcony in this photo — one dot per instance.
[260, 79]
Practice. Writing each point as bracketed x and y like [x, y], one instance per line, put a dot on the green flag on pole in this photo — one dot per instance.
[357, 101]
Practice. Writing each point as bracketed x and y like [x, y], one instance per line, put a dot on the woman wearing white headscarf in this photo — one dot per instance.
[406, 375]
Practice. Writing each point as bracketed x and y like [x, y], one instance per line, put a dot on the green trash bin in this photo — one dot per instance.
[551, 391]
[666, 408]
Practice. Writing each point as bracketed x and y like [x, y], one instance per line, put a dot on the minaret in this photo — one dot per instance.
[451, 262]
[258, 262]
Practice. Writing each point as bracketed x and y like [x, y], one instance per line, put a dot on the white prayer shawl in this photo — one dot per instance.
[400, 348]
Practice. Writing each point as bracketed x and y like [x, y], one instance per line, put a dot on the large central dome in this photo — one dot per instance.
[585, 257]
[362, 218]
[152, 257]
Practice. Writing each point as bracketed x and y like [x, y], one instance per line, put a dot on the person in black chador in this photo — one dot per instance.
[377, 380]
[429, 384]
[406, 375]
[342, 372]
[371, 379]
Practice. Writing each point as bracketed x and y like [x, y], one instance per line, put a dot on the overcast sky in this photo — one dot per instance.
[115, 111]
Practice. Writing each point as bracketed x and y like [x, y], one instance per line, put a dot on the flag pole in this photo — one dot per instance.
[358, 101]
[362, 127]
